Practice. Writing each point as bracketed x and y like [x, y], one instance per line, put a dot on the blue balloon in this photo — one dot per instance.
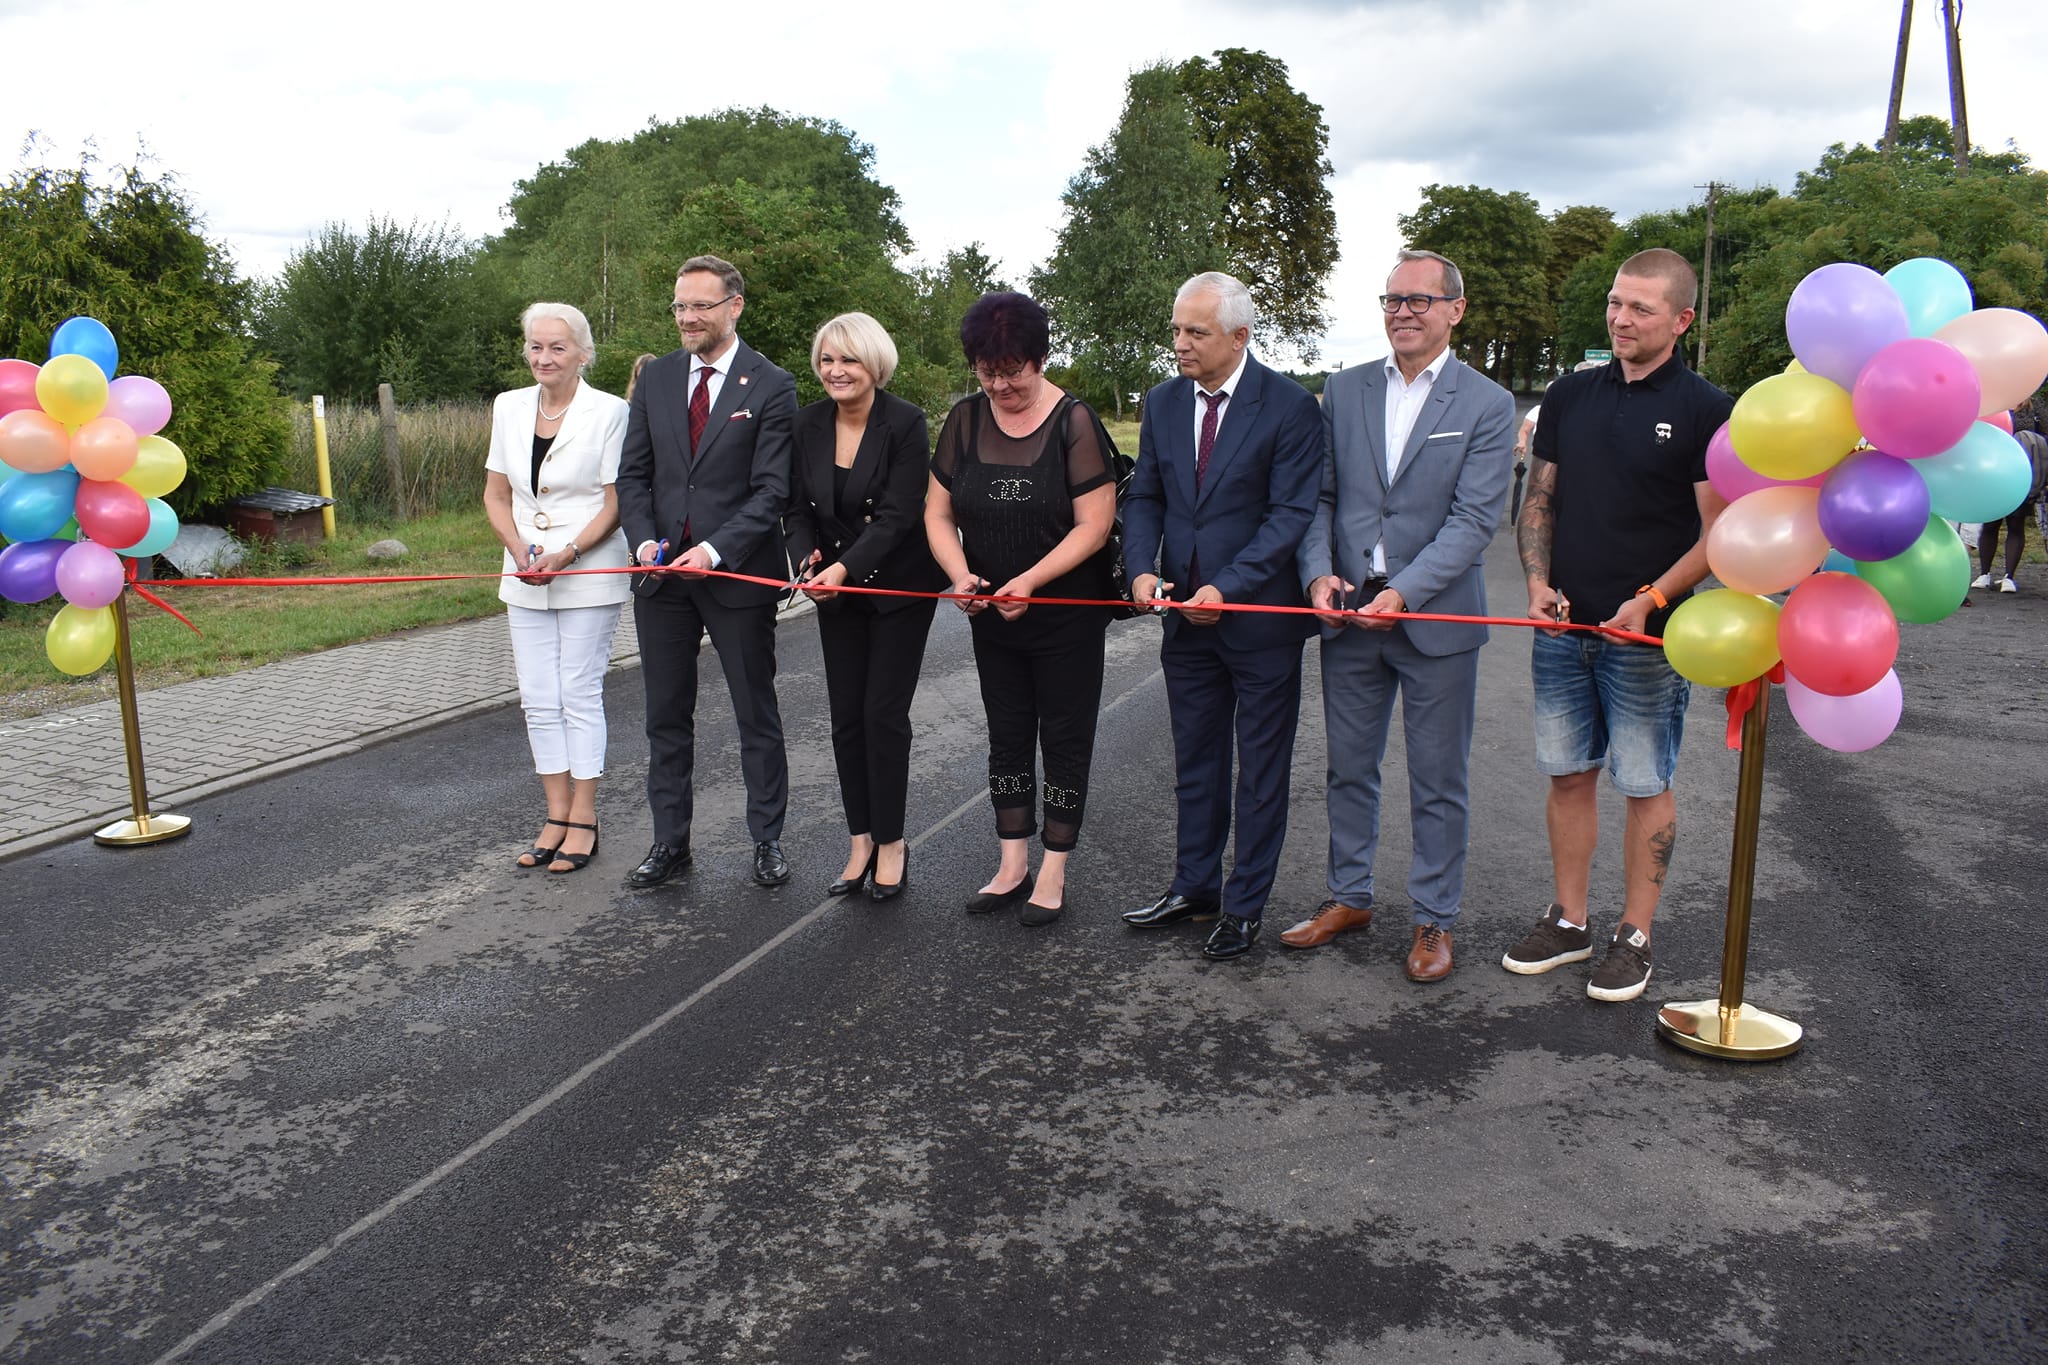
[1836, 562]
[1983, 477]
[1934, 292]
[163, 529]
[88, 337]
[36, 506]
[28, 572]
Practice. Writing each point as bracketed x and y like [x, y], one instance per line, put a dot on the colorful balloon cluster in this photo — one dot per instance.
[1842, 476]
[83, 476]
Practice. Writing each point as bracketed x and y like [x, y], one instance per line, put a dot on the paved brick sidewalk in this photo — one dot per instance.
[68, 771]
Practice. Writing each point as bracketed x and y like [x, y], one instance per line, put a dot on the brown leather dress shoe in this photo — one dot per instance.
[1330, 919]
[1430, 958]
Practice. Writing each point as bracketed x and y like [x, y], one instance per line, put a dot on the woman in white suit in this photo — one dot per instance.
[548, 492]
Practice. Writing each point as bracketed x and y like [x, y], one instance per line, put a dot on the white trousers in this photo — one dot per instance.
[561, 656]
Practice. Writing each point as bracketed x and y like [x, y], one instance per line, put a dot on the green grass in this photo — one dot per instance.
[1125, 434]
[244, 627]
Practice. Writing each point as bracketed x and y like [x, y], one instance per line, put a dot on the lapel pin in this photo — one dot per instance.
[743, 381]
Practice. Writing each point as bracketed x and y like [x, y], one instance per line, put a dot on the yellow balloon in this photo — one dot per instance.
[1794, 367]
[1793, 426]
[1722, 637]
[71, 389]
[80, 639]
[159, 467]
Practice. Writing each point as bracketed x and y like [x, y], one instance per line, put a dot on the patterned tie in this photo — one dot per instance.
[1215, 401]
[700, 407]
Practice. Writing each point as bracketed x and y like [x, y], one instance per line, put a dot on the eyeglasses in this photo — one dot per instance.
[1418, 304]
[1009, 376]
[682, 310]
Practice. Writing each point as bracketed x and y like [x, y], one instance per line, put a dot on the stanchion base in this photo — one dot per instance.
[1758, 1035]
[153, 828]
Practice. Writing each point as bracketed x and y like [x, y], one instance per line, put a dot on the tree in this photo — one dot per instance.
[1279, 228]
[128, 250]
[397, 305]
[1501, 244]
[1143, 214]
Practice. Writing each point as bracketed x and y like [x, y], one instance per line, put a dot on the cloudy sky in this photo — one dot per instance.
[278, 118]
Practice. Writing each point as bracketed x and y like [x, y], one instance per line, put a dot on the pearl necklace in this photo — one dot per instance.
[547, 416]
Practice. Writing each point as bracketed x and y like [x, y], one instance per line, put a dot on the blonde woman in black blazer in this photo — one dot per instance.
[857, 518]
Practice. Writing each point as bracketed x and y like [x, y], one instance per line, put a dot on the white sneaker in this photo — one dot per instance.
[2006, 584]
[1982, 580]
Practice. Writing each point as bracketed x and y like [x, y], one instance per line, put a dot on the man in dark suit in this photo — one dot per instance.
[1419, 453]
[703, 481]
[1229, 461]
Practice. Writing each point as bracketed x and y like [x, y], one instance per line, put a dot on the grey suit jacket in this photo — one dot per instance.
[1439, 513]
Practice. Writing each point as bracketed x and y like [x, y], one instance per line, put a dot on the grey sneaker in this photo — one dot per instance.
[1552, 943]
[1625, 970]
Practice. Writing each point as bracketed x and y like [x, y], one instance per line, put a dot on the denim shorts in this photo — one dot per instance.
[1602, 703]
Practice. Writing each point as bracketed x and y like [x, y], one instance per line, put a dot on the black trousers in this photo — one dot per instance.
[671, 624]
[872, 659]
[1042, 693]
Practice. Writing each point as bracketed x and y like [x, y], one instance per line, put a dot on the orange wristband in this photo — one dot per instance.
[1655, 596]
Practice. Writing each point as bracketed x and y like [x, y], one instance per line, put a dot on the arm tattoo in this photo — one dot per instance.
[1661, 844]
[1533, 530]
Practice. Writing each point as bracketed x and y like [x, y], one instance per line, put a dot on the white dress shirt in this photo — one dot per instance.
[1226, 388]
[1404, 404]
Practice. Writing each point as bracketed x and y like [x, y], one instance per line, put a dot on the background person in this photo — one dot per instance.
[550, 496]
[857, 516]
[1022, 501]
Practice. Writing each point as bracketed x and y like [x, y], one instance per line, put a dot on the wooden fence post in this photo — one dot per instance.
[387, 422]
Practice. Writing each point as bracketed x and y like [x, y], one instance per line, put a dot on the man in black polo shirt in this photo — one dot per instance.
[1613, 531]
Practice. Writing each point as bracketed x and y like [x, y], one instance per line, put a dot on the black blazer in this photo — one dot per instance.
[733, 494]
[883, 545]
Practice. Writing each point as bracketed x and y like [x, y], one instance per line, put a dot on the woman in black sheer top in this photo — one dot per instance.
[1021, 503]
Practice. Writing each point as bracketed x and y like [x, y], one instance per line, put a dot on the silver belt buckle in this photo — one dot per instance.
[541, 521]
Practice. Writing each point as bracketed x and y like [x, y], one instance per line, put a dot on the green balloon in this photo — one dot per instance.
[1929, 581]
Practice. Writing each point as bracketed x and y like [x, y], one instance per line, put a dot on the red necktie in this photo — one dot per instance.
[1209, 419]
[700, 407]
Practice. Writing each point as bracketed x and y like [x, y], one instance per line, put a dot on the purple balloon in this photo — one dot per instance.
[139, 401]
[1848, 724]
[1873, 506]
[28, 571]
[1840, 316]
[89, 575]
[1916, 398]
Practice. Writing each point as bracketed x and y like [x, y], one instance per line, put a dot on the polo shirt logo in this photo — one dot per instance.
[1663, 432]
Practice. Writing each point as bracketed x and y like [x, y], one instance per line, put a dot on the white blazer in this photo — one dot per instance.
[583, 459]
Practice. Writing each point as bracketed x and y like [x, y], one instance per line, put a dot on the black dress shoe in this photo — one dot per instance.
[1232, 937]
[662, 862]
[848, 886]
[770, 867]
[1170, 909]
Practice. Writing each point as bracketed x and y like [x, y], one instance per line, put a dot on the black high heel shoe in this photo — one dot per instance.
[540, 854]
[877, 891]
[848, 887]
[576, 861]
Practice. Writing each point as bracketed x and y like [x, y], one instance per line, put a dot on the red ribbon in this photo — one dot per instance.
[128, 566]
[1743, 696]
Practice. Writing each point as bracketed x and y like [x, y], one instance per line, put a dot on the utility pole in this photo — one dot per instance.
[1958, 116]
[1891, 119]
[1713, 189]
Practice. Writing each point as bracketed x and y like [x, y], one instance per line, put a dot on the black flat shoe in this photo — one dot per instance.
[540, 855]
[851, 886]
[576, 861]
[986, 902]
[1033, 914]
[878, 891]
[662, 862]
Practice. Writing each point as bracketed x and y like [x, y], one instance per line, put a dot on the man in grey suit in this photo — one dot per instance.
[703, 481]
[1415, 474]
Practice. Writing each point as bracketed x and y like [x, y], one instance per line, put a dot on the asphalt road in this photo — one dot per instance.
[330, 1081]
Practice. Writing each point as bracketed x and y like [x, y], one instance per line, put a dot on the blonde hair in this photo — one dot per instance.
[858, 337]
[639, 364]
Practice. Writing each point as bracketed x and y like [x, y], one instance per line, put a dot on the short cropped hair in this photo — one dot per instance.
[1006, 329]
[1234, 306]
[858, 337]
[1681, 284]
[728, 273]
[1454, 279]
[579, 326]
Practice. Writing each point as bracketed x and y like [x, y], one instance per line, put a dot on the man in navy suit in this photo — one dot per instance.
[703, 481]
[1229, 460]
[1419, 450]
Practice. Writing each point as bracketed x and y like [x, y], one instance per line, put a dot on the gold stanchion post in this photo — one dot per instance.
[145, 827]
[1727, 1027]
[321, 468]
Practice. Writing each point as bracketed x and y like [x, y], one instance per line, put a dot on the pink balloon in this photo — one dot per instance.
[1766, 541]
[103, 448]
[1837, 634]
[2002, 419]
[139, 401]
[112, 513]
[1916, 398]
[18, 386]
[1733, 479]
[89, 575]
[1848, 724]
[2009, 350]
